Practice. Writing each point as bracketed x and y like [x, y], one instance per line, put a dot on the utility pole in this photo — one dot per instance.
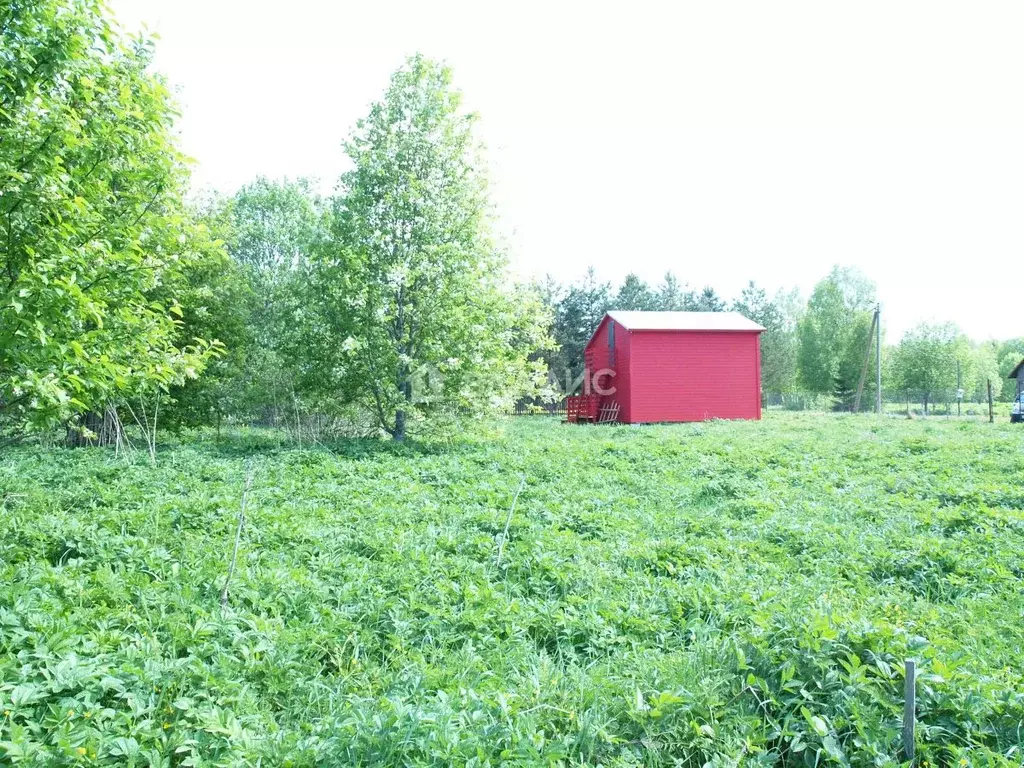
[867, 357]
[878, 359]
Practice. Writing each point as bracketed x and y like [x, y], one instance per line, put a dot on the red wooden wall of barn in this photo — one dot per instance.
[693, 376]
[601, 361]
[678, 375]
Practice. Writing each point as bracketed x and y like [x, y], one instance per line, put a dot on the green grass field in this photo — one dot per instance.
[715, 594]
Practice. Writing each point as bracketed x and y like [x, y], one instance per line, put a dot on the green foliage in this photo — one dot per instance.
[707, 300]
[833, 334]
[95, 238]
[413, 314]
[983, 369]
[672, 297]
[576, 318]
[276, 225]
[276, 228]
[690, 595]
[217, 296]
[635, 294]
[249, 301]
[778, 342]
[1009, 353]
[925, 360]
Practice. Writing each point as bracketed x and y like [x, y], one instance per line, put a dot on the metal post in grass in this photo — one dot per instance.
[909, 707]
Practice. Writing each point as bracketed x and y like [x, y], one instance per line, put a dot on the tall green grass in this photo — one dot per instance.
[716, 594]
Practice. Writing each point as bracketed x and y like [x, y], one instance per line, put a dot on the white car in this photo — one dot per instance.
[1017, 411]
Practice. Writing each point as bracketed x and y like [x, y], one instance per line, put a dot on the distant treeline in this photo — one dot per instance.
[815, 346]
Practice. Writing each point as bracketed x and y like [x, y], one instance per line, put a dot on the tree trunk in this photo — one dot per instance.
[405, 387]
[78, 429]
[93, 428]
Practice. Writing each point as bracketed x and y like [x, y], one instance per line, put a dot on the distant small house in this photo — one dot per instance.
[672, 366]
[1017, 374]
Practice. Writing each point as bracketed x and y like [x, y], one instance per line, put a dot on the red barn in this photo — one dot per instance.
[673, 366]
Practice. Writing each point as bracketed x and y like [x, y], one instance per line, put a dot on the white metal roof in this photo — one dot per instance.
[684, 321]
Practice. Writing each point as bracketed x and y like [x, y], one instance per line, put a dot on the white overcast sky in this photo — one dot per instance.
[724, 141]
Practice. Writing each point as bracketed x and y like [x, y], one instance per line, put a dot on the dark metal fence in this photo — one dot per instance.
[538, 408]
[939, 403]
[942, 402]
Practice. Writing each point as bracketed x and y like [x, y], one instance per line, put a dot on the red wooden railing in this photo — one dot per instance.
[582, 407]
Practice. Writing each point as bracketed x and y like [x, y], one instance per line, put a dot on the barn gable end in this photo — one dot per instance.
[600, 358]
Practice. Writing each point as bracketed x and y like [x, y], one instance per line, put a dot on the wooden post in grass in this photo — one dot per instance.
[990, 417]
[909, 707]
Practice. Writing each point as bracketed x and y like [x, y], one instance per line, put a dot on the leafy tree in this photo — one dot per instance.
[984, 370]
[707, 301]
[635, 294]
[778, 342]
[275, 224]
[217, 299]
[1009, 354]
[754, 304]
[671, 296]
[246, 300]
[276, 227]
[576, 318]
[925, 360]
[833, 334]
[92, 224]
[857, 289]
[413, 312]
[550, 291]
